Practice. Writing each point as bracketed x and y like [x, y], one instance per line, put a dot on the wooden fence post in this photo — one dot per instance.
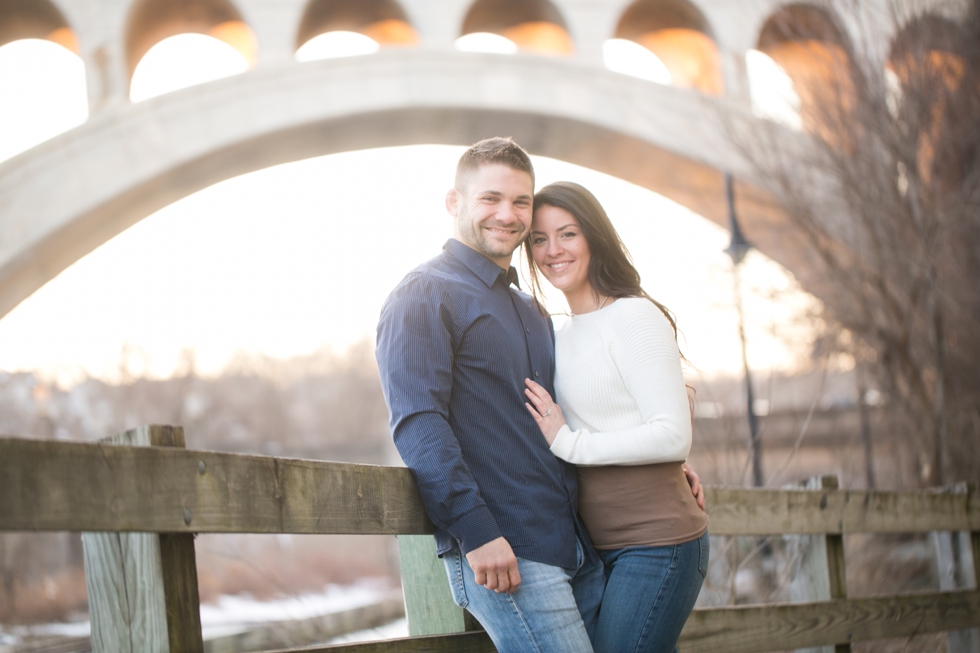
[955, 554]
[142, 587]
[429, 605]
[973, 501]
[822, 575]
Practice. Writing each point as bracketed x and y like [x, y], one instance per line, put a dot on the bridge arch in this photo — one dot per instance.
[936, 61]
[681, 37]
[151, 21]
[533, 25]
[384, 21]
[809, 43]
[35, 19]
[128, 162]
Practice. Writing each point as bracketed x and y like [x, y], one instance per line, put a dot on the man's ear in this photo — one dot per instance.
[452, 202]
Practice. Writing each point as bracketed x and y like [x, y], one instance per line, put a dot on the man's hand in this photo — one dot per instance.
[695, 482]
[494, 566]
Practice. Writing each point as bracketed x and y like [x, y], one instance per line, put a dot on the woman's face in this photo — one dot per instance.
[559, 249]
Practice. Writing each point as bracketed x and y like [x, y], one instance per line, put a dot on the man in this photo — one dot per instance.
[455, 343]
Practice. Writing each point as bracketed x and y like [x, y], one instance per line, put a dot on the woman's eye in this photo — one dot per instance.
[569, 234]
[537, 241]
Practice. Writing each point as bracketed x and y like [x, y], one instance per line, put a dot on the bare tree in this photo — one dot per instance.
[884, 202]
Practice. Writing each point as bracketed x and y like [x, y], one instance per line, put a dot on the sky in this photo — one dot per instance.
[296, 258]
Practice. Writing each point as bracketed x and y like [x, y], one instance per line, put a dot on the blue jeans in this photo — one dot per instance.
[553, 611]
[650, 591]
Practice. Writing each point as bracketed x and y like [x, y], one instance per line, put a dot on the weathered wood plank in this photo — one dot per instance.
[124, 573]
[474, 642]
[183, 603]
[125, 592]
[429, 604]
[820, 575]
[157, 577]
[87, 487]
[744, 511]
[954, 564]
[973, 491]
[836, 570]
[302, 632]
[754, 629]
[77, 486]
[975, 545]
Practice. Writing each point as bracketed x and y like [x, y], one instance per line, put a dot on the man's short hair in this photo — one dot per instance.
[503, 151]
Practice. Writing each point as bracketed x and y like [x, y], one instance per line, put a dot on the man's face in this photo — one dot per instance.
[492, 211]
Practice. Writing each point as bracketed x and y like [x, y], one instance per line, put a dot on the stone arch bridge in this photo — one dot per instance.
[65, 197]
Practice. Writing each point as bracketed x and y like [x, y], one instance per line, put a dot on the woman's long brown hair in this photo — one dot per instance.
[611, 269]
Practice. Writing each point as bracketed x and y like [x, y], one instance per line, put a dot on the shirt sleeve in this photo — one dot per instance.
[415, 361]
[644, 351]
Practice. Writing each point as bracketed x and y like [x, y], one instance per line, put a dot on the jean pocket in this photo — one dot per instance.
[454, 570]
[704, 544]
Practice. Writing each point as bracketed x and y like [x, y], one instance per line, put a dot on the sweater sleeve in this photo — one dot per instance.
[644, 351]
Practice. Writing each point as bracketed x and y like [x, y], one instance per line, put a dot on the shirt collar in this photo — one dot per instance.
[480, 265]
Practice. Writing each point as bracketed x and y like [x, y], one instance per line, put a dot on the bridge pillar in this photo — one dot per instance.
[275, 25]
[106, 75]
[437, 22]
[736, 32]
[100, 30]
[736, 76]
[590, 24]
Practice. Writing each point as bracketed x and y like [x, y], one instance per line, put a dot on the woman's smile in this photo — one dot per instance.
[560, 250]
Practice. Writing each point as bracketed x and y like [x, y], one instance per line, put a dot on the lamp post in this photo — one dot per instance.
[738, 248]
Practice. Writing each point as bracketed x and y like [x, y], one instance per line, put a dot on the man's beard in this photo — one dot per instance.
[490, 248]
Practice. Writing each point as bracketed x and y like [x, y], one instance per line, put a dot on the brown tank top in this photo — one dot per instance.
[643, 505]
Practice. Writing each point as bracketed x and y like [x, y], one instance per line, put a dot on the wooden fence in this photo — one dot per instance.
[139, 506]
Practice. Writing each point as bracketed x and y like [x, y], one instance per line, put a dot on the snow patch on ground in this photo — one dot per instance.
[395, 629]
[233, 614]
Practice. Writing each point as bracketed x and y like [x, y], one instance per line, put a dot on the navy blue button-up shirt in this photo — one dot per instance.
[455, 343]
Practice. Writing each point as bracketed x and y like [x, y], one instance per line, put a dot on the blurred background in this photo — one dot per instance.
[180, 244]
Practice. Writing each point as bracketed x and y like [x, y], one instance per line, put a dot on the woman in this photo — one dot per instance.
[626, 423]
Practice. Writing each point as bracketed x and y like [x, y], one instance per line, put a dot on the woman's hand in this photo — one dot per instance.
[544, 410]
[695, 482]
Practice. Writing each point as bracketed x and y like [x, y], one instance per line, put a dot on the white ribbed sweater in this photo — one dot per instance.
[619, 383]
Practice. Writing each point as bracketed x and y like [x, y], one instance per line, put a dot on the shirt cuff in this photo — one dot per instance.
[474, 529]
[564, 441]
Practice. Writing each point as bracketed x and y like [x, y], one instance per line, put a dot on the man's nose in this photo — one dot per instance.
[507, 212]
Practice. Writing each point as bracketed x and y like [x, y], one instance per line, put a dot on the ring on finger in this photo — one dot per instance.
[548, 413]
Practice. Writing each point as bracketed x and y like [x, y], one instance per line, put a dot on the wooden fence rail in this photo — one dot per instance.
[55, 485]
[162, 488]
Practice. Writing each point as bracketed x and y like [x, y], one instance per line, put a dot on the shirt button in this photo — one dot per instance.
[527, 330]
[536, 373]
